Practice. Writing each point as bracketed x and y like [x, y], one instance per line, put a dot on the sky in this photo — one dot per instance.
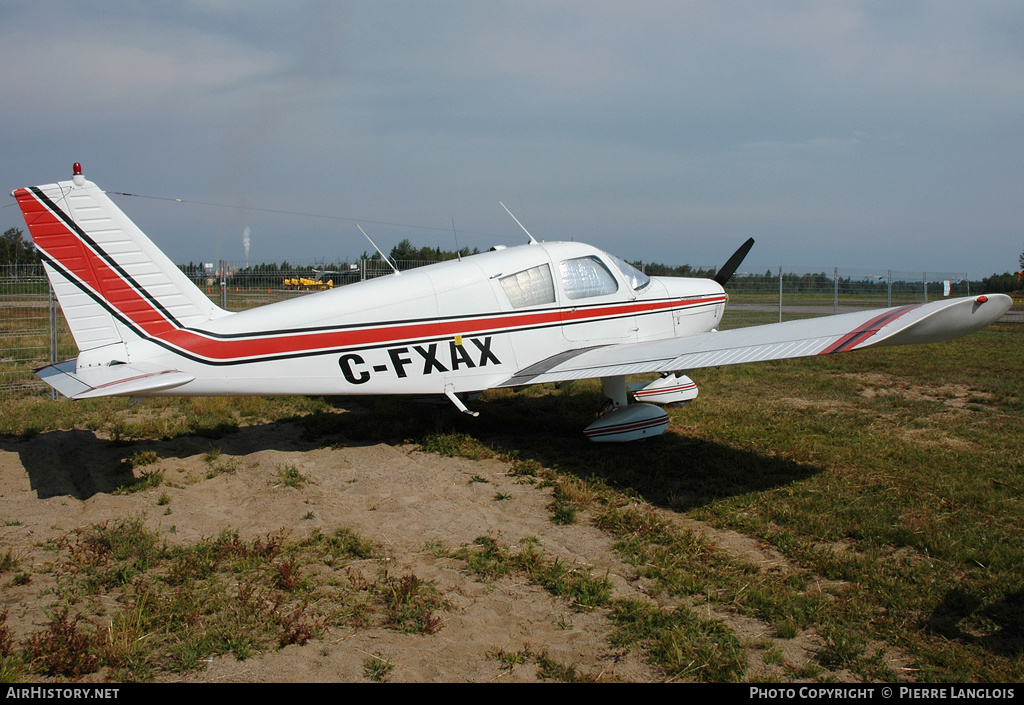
[863, 135]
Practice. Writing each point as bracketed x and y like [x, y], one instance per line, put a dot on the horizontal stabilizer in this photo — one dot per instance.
[922, 323]
[110, 380]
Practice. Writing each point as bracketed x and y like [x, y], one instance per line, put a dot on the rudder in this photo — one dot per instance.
[112, 282]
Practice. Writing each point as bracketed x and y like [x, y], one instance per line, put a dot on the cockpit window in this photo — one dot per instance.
[530, 287]
[586, 276]
[636, 279]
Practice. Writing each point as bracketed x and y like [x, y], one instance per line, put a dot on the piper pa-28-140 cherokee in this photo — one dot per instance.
[536, 313]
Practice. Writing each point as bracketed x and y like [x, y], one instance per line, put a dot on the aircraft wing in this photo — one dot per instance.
[922, 323]
[110, 380]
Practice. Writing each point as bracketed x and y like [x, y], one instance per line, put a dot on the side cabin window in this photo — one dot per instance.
[530, 287]
[586, 276]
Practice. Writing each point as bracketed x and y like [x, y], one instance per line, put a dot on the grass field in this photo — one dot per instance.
[890, 480]
[886, 484]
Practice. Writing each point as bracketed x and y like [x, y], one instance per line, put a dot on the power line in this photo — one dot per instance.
[300, 214]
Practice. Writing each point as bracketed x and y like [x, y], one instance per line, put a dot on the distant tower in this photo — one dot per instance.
[245, 244]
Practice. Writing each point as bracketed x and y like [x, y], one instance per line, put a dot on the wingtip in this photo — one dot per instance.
[996, 301]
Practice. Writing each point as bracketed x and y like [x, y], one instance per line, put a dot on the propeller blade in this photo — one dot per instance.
[729, 268]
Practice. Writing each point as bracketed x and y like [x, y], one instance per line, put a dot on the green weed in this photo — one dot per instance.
[576, 583]
[291, 477]
[410, 604]
[510, 659]
[377, 669]
[684, 645]
[456, 445]
[129, 603]
[147, 480]
[550, 668]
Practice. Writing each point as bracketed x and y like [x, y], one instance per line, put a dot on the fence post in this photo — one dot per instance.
[52, 306]
[835, 291]
[780, 293]
[223, 285]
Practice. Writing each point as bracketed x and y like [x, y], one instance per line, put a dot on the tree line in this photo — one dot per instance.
[16, 249]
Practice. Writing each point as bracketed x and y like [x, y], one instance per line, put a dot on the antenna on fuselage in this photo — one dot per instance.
[518, 223]
[383, 256]
[457, 252]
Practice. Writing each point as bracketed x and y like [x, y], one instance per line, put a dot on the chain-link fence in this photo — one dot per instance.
[33, 332]
[236, 287]
[786, 293]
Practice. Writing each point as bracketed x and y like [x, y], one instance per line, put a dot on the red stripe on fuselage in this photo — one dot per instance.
[77, 258]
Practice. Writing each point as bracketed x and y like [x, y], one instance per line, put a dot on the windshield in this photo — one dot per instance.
[636, 279]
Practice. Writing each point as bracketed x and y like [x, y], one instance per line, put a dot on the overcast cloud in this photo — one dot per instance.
[854, 134]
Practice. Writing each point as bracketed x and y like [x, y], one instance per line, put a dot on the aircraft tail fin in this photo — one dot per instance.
[111, 281]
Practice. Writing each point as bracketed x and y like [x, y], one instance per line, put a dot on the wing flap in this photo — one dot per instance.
[110, 380]
[903, 325]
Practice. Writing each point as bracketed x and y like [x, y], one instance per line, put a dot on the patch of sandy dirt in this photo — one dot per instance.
[953, 395]
[405, 501]
[744, 548]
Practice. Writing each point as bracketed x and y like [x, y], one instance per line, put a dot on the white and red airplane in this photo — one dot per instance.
[540, 312]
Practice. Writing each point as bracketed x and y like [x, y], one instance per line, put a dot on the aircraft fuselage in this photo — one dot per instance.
[449, 326]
